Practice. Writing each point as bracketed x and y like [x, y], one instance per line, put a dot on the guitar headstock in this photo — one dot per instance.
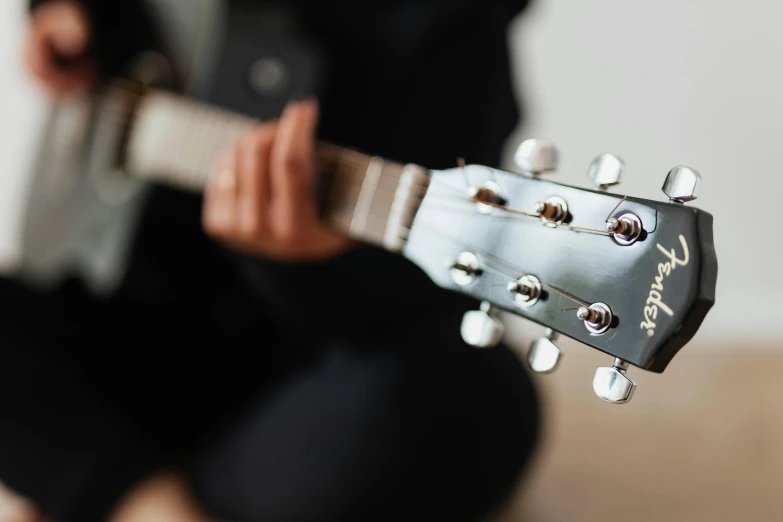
[631, 277]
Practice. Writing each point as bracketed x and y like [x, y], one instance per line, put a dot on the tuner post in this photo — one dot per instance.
[487, 196]
[526, 290]
[612, 384]
[625, 229]
[597, 317]
[552, 211]
[465, 268]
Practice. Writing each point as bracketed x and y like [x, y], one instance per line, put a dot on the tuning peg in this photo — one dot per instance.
[536, 156]
[481, 328]
[465, 268]
[597, 317]
[612, 384]
[544, 354]
[682, 184]
[605, 170]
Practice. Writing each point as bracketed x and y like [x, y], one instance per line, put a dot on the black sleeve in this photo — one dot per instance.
[121, 29]
[365, 292]
[413, 81]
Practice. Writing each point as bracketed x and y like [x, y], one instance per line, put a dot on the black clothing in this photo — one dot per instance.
[399, 427]
[284, 398]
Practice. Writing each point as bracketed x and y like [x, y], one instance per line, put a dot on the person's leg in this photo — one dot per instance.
[97, 393]
[97, 398]
[63, 447]
[415, 432]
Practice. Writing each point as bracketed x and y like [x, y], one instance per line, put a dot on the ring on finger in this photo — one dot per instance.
[227, 179]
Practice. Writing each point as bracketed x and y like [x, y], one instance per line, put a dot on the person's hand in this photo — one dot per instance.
[164, 497]
[14, 508]
[261, 198]
[57, 40]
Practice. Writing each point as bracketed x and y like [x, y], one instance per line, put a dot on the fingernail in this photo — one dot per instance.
[309, 104]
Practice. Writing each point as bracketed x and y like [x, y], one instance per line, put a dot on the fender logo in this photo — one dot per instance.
[655, 298]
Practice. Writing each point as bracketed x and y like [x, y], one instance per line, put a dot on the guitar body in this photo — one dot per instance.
[81, 211]
[83, 208]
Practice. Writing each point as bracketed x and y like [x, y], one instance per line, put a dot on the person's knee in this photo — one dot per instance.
[324, 447]
[484, 427]
[374, 435]
[14, 508]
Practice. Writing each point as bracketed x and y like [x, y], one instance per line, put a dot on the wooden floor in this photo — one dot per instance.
[701, 442]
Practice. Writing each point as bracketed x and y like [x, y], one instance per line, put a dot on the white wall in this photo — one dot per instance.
[22, 107]
[670, 82]
[663, 83]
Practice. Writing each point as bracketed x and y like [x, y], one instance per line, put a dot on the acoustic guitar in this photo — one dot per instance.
[631, 277]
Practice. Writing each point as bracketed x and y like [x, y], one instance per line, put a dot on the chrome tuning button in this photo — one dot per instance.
[544, 354]
[482, 328]
[605, 171]
[682, 184]
[613, 384]
[536, 156]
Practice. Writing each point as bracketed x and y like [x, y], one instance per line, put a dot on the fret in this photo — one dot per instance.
[366, 197]
[403, 209]
[373, 232]
[201, 147]
[179, 141]
[167, 127]
[340, 205]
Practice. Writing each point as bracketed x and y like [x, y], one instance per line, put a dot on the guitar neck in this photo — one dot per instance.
[177, 141]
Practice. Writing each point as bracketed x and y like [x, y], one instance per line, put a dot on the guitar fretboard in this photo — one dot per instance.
[178, 141]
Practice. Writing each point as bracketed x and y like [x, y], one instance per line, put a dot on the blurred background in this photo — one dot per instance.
[659, 84]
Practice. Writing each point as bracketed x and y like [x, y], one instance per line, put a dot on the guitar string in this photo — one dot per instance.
[337, 157]
[341, 152]
[518, 214]
[437, 202]
[512, 214]
[332, 153]
[116, 85]
[390, 193]
[615, 208]
[323, 149]
[463, 244]
[342, 161]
